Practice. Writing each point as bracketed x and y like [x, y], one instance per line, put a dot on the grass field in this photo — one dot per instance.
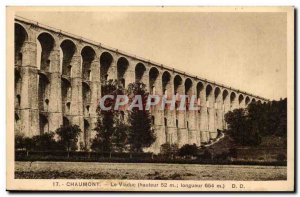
[80, 170]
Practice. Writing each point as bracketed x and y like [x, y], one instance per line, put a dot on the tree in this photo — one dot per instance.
[188, 150]
[45, 142]
[169, 150]
[141, 133]
[242, 129]
[68, 137]
[113, 139]
[270, 118]
[106, 126]
[248, 126]
[19, 141]
[24, 143]
[104, 130]
[120, 135]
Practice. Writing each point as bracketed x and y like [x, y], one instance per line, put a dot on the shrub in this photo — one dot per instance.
[233, 153]
[19, 142]
[169, 150]
[188, 150]
[207, 155]
[24, 143]
[43, 142]
[68, 136]
[261, 158]
[224, 156]
[281, 157]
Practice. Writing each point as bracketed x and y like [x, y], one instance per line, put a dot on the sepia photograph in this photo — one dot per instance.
[150, 98]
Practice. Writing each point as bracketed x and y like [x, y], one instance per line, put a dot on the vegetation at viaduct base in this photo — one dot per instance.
[258, 132]
[250, 126]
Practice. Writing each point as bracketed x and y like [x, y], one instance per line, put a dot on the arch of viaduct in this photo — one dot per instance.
[58, 81]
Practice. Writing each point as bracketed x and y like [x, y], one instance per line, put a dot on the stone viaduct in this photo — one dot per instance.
[58, 81]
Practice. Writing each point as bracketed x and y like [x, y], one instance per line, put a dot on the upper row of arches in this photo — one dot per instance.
[69, 55]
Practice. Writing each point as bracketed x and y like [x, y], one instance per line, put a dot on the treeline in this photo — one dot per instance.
[249, 126]
[66, 140]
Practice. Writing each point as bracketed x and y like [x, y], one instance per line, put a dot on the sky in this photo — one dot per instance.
[246, 51]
